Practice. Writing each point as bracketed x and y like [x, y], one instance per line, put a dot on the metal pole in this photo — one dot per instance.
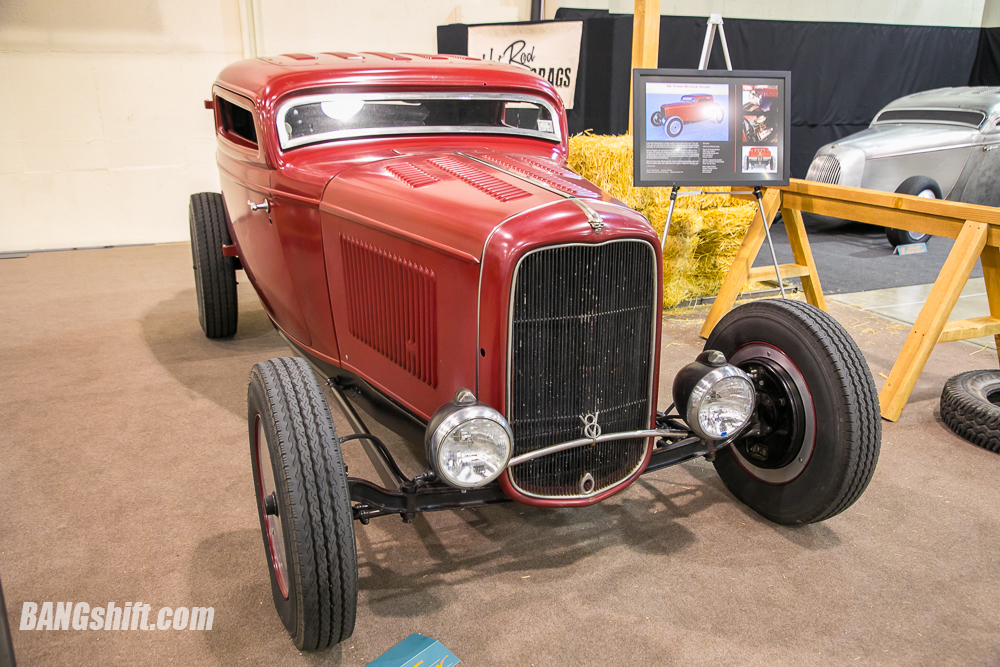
[538, 10]
[767, 232]
[670, 215]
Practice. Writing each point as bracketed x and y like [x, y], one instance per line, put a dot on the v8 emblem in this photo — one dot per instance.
[591, 428]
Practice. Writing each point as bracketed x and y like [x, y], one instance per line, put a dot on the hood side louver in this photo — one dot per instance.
[392, 307]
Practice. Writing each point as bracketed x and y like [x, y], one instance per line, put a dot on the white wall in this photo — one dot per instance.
[102, 130]
[960, 13]
[103, 135]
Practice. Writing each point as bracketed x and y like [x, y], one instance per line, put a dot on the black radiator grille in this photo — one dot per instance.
[581, 343]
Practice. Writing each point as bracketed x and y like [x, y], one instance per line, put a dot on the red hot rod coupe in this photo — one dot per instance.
[691, 109]
[413, 233]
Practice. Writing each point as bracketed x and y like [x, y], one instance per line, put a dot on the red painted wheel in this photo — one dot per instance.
[816, 428]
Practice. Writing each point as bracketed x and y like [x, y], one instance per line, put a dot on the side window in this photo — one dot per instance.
[237, 123]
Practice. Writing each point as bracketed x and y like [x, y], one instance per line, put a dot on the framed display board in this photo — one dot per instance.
[702, 128]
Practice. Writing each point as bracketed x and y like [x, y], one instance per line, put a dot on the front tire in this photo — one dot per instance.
[303, 503]
[214, 273]
[674, 126]
[817, 395]
[921, 186]
[656, 119]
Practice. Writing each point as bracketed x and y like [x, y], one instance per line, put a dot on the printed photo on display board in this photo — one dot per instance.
[704, 128]
[761, 114]
[687, 112]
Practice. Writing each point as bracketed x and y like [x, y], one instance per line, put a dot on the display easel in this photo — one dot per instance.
[715, 25]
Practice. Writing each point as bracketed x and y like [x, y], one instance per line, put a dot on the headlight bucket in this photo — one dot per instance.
[468, 443]
[715, 398]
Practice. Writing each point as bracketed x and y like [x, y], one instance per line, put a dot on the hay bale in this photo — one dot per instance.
[706, 230]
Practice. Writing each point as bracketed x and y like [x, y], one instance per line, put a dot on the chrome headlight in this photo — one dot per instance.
[715, 398]
[468, 443]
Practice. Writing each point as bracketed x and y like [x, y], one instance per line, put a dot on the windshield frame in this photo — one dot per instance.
[287, 143]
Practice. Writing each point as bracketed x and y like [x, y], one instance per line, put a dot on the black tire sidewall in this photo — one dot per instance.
[966, 408]
[214, 273]
[289, 609]
[913, 185]
[811, 492]
[667, 123]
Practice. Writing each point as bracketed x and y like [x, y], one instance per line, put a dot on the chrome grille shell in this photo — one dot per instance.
[824, 169]
[581, 340]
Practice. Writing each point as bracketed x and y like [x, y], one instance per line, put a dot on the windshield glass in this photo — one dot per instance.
[315, 118]
[950, 116]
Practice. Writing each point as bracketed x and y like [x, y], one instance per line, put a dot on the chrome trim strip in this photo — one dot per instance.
[510, 342]
[287, 142]
[522, 177]
[581, 442]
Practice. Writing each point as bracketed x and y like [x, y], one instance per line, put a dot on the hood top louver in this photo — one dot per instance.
[479, 179]
[552, 178]
[411, 174]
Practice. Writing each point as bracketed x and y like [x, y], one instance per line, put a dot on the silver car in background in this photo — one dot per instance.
[939, 143]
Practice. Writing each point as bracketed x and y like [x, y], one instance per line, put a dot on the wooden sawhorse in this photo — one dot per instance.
[975, 228]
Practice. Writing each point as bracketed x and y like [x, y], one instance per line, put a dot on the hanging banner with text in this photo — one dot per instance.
[551, 50]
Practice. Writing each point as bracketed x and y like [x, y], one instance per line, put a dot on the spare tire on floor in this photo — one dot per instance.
[970, 406]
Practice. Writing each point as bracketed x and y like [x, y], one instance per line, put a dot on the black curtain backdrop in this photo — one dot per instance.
[842, 73]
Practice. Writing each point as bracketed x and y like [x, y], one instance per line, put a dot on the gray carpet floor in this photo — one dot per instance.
[125, 476]
[854, 257]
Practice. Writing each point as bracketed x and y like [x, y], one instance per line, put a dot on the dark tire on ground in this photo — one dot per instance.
[656, 119]
[308, 529]
[214, 273]
[920, 186]
[802, 471]
[968, 407]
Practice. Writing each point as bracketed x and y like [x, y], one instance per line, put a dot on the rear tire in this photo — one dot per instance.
[968, 411]
[920, 186]
[303, 503]
[818, 396]
[214, 273]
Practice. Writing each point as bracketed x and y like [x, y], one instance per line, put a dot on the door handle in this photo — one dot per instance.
[263, 206]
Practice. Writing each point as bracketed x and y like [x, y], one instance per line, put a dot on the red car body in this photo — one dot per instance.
[442, 219]
[693, 108]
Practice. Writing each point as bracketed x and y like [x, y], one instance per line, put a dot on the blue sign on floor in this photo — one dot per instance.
[910, 249]
[416, 651]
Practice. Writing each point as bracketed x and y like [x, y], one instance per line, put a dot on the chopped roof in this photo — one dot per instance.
[270, 77]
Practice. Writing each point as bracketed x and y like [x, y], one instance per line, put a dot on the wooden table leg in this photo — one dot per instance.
[933, 316]
[991, 274]
[736, 279]
[803, 255]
